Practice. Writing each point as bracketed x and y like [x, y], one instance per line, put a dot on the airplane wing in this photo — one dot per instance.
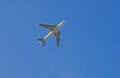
[57, 35]
[50, 27]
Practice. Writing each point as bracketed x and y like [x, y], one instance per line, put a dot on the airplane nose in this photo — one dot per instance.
[64, 21]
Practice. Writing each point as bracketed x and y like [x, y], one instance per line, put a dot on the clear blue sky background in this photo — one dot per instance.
[89, 46]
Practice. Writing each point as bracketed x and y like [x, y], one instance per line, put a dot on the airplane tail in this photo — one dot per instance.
[42, 41]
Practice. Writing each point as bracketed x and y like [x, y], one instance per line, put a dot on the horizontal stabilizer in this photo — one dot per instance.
[42, 41]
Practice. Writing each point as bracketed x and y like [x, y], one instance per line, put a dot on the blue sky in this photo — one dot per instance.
[89, 45]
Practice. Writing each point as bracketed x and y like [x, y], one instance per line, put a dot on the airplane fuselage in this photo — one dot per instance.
[55, 30]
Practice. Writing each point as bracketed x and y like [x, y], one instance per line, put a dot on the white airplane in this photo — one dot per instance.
[54, 30]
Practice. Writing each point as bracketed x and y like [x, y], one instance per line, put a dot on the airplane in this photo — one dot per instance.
[54, 30]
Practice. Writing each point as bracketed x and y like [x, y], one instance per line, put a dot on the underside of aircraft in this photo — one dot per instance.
[53, 30]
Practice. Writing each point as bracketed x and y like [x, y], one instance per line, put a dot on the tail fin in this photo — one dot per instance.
[42, 41]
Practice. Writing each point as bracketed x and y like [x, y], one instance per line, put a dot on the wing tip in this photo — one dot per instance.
[38, 25]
